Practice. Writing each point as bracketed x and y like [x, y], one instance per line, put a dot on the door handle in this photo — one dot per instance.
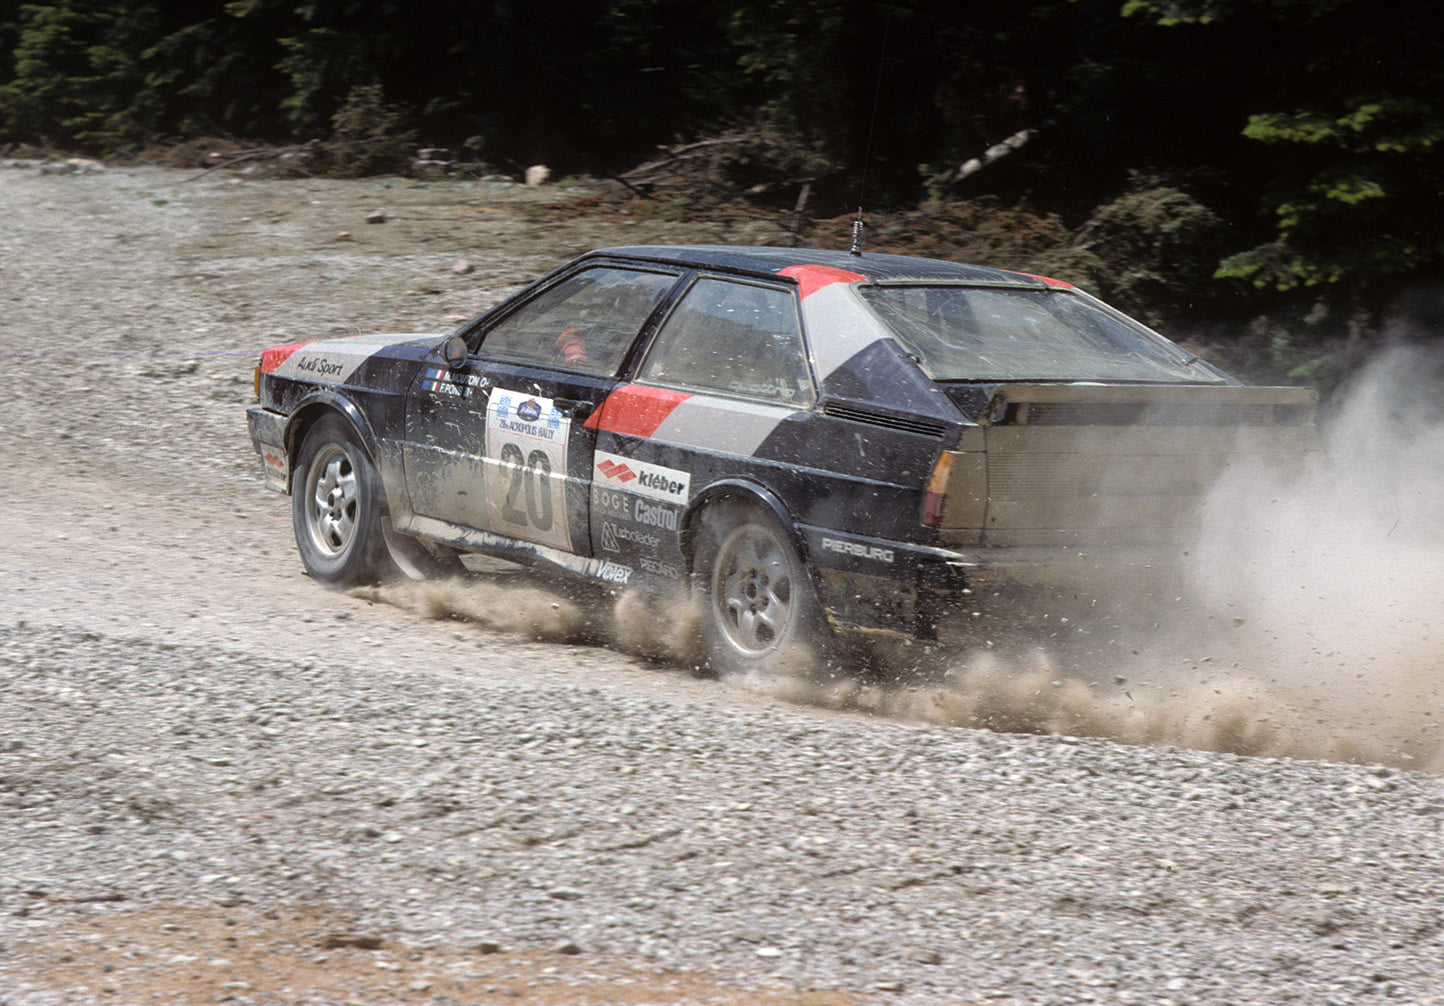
[574, 408]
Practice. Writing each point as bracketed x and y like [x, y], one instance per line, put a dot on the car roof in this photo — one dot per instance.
[873, 267]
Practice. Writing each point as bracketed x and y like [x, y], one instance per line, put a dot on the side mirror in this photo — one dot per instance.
[454, 352]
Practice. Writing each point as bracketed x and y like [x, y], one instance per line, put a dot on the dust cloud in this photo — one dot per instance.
[531, 611]
[1306, 621]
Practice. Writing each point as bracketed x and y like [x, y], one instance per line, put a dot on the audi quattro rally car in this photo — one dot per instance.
[810, 439]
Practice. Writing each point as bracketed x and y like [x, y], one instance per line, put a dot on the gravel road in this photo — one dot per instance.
[222, 783]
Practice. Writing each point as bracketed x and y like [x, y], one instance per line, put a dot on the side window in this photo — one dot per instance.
[586, 322]
[736, 338]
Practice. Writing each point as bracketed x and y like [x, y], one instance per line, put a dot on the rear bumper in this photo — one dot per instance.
[893, 587]
[878, 585]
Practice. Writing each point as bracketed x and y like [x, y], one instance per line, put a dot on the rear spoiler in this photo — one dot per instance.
[1149, 405]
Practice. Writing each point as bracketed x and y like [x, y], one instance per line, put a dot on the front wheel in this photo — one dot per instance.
[760, 613]
[338, 508]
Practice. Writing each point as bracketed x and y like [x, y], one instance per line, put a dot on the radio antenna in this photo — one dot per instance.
[857, 224]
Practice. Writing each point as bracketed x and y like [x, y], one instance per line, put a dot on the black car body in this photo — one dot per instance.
[896, 426]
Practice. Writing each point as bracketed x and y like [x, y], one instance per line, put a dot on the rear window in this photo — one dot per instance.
[961, 333]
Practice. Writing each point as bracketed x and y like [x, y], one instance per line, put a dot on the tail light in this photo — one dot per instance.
[935, 499]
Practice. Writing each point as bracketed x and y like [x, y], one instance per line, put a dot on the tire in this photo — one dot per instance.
[760, 614]
[338, 508]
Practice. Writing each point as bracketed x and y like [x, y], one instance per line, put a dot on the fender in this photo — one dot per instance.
[310, 408]
[752, 492]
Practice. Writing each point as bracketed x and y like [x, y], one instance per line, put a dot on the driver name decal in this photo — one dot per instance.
[436, 381]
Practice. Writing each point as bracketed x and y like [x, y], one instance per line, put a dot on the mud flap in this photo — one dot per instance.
[268, 434]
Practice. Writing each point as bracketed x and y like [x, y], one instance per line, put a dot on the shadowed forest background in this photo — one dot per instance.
[1259, 178]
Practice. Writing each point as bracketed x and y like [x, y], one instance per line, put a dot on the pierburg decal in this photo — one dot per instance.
[642, 477]
[857, 549]
[526, 467]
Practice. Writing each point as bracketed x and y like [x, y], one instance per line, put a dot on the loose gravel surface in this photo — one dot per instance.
[222, 783]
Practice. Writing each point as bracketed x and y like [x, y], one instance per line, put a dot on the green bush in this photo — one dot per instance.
[368, 137]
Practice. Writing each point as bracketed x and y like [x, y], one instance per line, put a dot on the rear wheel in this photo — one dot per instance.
[760, 613]
[338, 508]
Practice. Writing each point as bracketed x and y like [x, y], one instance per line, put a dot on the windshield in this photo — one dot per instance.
[969, 333]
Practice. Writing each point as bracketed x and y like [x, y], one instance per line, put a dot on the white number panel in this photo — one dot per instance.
[526, 468]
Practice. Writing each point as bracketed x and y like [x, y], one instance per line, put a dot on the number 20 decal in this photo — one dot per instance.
[526, 453]
[527, 477]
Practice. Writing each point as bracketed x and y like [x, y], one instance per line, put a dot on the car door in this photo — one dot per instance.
[724, 392]
[500, 444]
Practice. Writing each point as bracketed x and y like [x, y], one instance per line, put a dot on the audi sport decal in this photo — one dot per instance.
[642, 478]
[330, 361]
[526, 467]
[276, 355]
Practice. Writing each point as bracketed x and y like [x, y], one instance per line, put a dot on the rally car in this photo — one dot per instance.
[814, 442]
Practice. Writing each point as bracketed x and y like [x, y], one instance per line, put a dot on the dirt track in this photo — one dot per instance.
[219, 782]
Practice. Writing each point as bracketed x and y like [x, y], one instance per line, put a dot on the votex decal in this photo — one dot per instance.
[526, 467]
[642, 478]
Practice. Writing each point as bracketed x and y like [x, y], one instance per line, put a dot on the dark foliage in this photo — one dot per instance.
[1291, 148]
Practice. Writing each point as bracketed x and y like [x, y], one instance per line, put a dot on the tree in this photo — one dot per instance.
[75, 70]
[1348, 132]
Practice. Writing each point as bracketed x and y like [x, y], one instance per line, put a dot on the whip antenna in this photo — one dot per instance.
[857, 225]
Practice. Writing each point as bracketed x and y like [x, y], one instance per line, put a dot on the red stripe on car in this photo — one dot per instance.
[635, 411]
[1060, 284]
[812, 278]
[277, 355]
